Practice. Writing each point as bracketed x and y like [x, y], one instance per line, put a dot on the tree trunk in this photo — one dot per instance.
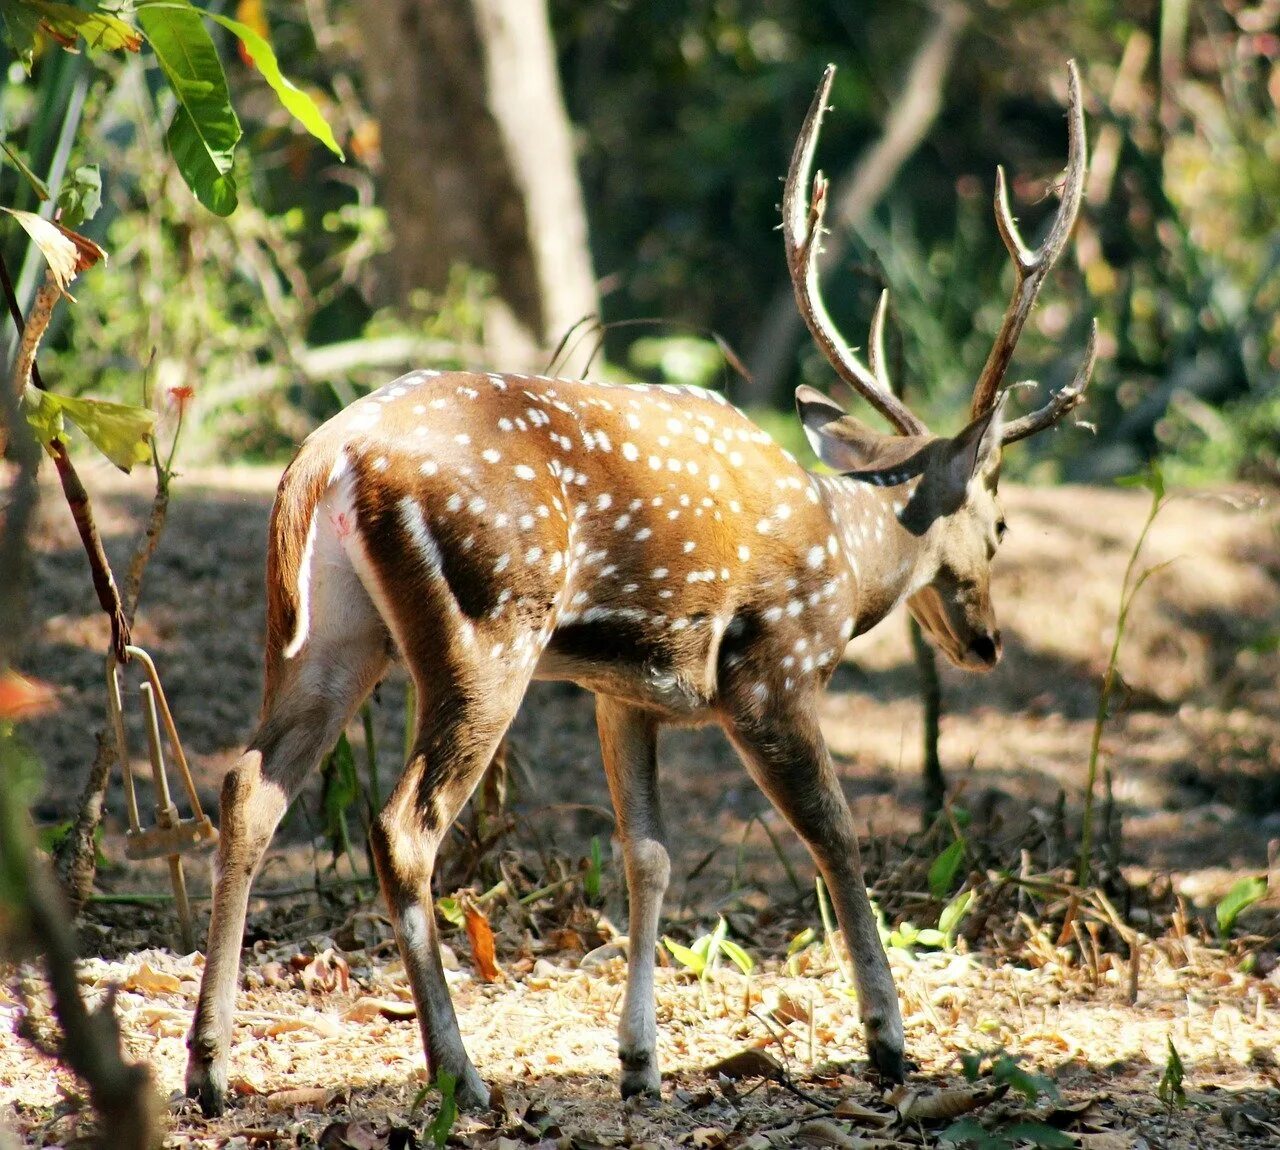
[479, 166]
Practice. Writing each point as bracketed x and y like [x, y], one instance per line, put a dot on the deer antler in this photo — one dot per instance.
[1031, 267]
[802, 232]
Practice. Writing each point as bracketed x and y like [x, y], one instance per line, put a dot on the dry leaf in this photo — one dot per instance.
[480, 935]
[350, 1136]
[67, 253]
[921, 1106]
[147, 980]
[824, 1132]
[848, 1108]
[705, 1138]
[747, 1064]
[1108, 1140]
[326, 972]
[366, 1009]
[315, 1097]
[787, 1008]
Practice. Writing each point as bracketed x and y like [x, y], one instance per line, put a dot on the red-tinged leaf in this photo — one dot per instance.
[480, 935]
[23, 698]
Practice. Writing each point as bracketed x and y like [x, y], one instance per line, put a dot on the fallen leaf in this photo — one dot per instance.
[848, 1108]
[480, 935]
[747, 1064]
[824, 1132]
[315, 1097]
[326, 972]
[147, 980]
[922, 1106]
[350, 1136]
[366, 1009]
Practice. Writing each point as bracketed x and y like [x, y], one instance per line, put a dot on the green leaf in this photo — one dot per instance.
[1244, 894]
[205, 130]
[1171, 1091]
[953, 913]
[1152, 479]
[1039, 1134]
[591, 880]
[341, 788]
[1031, 1086]
[440, 1126]
[20, 25]
[450, 910]
[43, 415]
[739, 957]
[943, 870]
[99, 29]
[296, 102]
[971, 1063]
[15, 158]
[689, 959]
[121, 432]
[965, 1130]
[805, 938]
[80, 196]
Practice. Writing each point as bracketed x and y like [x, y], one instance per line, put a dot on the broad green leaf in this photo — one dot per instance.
[121, 432]
[440, 1126]
[80, 196]
[953, 912]
[1039, 1134]
[1171, 1091]
[739, 957]
[20, 25]
[964, 1130]
[296, 102]
[943, 869]
[205, 129]
[689, 959]
[931, 938]
[1031, 1086]
[99, 29]
[1244, 894]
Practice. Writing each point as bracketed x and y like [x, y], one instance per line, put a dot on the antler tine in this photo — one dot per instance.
[875, 345]
[1061, 401]
[1031, 266]
[802, 233]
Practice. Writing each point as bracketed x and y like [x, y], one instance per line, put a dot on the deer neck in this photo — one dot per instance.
[889, 560]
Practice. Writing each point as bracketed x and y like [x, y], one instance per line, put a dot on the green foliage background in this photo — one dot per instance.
[686, 111]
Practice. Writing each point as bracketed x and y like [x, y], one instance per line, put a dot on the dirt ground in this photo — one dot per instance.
[1193, 750]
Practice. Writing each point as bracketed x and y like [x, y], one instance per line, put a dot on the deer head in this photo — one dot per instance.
[953, 505]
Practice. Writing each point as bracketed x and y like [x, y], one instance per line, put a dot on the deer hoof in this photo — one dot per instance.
[640, 1074]
[471, 1093]
[207, 1083]
[886, 1058]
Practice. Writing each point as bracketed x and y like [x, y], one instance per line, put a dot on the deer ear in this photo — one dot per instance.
[972, 451]
[847, 444]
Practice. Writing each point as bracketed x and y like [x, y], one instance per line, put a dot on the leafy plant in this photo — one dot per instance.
[340, 788]
[945, 868]
[1239, 898]
[907, 936]
[1170, 1091]
[439, 1128]
[1153, 480]
[595, 869]
[1002, 1068]
[703, 955]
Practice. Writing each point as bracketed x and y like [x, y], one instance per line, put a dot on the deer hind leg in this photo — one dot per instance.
[305, 711]
[786, 755]
[461, 722]
[628, 738]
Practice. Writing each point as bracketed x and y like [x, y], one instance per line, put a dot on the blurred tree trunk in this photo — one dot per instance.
[479, 166]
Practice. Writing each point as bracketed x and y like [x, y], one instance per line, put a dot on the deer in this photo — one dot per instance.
[649, 543]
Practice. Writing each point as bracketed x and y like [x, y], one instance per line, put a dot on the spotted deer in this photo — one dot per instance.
[648, 543]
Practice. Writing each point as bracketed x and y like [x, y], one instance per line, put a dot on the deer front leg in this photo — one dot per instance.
[788, 758]
[628, 738]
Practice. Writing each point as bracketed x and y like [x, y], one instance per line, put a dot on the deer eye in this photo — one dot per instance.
[1002, 529]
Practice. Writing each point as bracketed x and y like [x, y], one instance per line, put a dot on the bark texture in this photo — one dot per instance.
[479, 166]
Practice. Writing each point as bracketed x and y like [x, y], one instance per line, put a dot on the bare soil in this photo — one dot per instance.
[1192, 748]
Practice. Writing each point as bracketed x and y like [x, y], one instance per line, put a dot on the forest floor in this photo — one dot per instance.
[1088, 991]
